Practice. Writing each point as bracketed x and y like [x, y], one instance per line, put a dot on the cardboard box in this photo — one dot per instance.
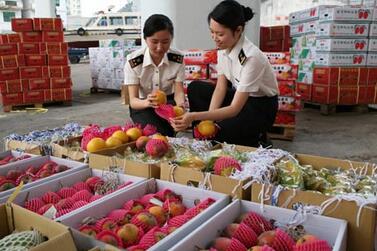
[22, 146]
[334, 231]
[342, 30]
[29, 48]
[278, 57]
[62, 94]
[57, 60]
[196, 72]
[341, 59]
[17, 218]
[289, 104]
[103, 207]
[305, 77]
[358, 238]
[57, 83]
[32, 36]
[372, 47]
[12, 61]
[34, 97]
[372, 76]
[342, 76]
[366, 94]
[307, 14]
[38, 161]
[304, 28]
[22, 24]
[9, 74]
[305, 91]
[348, 95]
[12, 99]
[35, 60]
[53, 36]
[37, 84]
[285, 71]
[287, 88]
[324, 94]
[29, 72]
[274, 32]
[275, 45]
[13, 86]
[193, 57]
[346, 13]
[305, 41]
[8, 49]
[372, 60]
[69, 180]
[285, 118]
[10, 38]
[342, 45]
[366, 3]
[48, 24]
[59, 71]
[373, 30]
[54, 48]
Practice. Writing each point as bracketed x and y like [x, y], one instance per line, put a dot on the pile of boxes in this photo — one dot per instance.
[335, 51]
[107, 63]
[275, 38]
[34, 63]
[286, 74]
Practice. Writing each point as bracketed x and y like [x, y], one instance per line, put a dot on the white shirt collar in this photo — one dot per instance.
[233, 54]
[148, 59]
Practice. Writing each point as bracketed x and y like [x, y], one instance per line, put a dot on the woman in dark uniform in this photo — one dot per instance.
[244, 101]
[155, 67]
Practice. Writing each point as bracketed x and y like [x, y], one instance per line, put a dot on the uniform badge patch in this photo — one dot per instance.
[136, 61]
[175, 58]
[242, 57]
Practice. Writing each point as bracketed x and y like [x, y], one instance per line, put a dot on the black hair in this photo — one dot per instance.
[231, 14]
[155, 23]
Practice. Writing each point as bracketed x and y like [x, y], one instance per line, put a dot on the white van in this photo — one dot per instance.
[119, 23]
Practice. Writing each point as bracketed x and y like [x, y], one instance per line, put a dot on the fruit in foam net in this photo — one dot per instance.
[141, 142]
[159, 213]
[109, 238]
[144, 220]
[225, 166]
[94, 181]
[178, 111]
[78, 186]
[267, 238]
[156, 148]
[34, 204]
[135, 206]
[95, 144]
[7, 184]
[174, 207]
[106, 224]
[227, 244]
[130, 234]
[121, 135]
[121, 216]
[160, 97]
[207, 128]
[261, 248]
[134, 133]
[256, 222]
[89, 230]
[243, 233]
[306, 239]
[152, 237]
[113, 142]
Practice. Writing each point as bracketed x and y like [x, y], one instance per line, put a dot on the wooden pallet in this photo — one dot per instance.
[328, 109]
[9, 108]
[283, 132]
[103, 90]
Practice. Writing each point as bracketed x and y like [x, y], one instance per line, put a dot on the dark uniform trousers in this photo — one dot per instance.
[247, 128]
[149, 116]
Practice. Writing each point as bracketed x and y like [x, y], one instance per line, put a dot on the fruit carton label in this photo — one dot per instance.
[346, 13]
[278, 57]
[372, 45]
[373, 30]
[304, 28]
[342, 45]
[196, 72]
[342, 30]
[307, 14]
[332, 59]
[372, 60]
[200, 57]
[285, 71]
[289, 103]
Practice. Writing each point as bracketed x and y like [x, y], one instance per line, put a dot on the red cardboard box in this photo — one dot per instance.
[32, 97]
[372, 76]
[53, 36]
[278, 57]
[274, 32]
[38, 84]
[196, 72]
[59, 71]
[291, 104]
[366, 94]
[29, 48]
[325, 94]
[58, 83]
[32, 36]
[9, 74]
[275, 45]
[287, 88]
[22, 24]
[29, 72]
[285, 71]
[12, 86]
[285, 118]
[12, 99]
[305, 91]
[48, 24]
[63, 94]
[35, 60]
[8, 49]
[10, 38]
[12, 61]
[348, 95]
[56, 60]
[342, 76]
[54, 48]
[193, 57]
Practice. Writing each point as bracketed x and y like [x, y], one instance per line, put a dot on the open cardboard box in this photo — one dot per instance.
[61, 149]
[107, 159]
[359, 237]
[17, 218]
[189, 195]
[68, 181]
[38, 161]
[22, 146]
[15, 154]
[329, 229]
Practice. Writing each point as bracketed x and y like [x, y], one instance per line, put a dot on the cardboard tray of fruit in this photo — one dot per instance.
[81, 189]
[317, 228]
[173, 200]
[35, 171]
[10, 156]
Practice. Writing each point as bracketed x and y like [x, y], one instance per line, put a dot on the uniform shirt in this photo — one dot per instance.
[248, 69]
[140, 70]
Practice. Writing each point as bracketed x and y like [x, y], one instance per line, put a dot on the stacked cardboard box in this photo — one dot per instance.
[107, 63]
[329, 42]
[275, 38]
[34, 63]
[286, 74]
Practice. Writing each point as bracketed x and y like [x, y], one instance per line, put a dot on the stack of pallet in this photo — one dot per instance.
[34, 63]
[336, 58]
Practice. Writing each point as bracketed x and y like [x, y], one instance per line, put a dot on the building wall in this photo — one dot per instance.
[62, 10]
[74, 7]
[5, 25]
